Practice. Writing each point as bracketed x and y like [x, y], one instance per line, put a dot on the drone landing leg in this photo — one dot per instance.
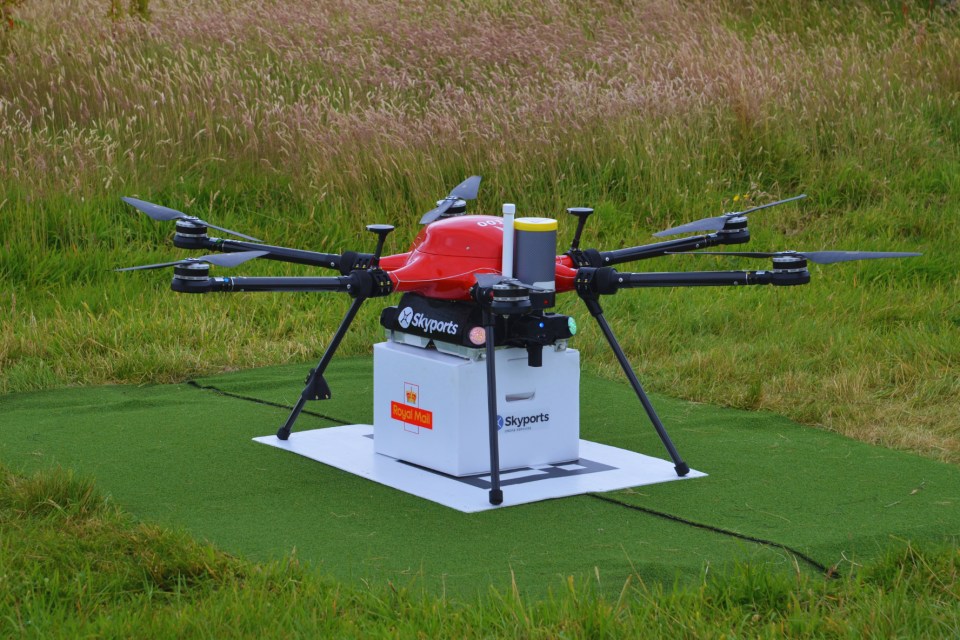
[317, 388]
[496, 494]
[597, 312]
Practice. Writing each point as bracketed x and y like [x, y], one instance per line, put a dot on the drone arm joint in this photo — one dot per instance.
[352, 261]
[585, 258]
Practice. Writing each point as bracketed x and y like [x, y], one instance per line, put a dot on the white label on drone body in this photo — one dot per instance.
[405, 317]
[409, 319]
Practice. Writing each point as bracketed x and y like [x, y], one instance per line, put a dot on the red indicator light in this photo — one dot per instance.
[478, 336]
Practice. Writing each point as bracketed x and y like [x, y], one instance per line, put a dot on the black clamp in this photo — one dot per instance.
[592, 282]
[316, 387]
[353, 261]
[585, 258]
[372, 283]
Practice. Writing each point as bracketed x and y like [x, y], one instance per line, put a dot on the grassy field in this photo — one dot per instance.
[181, 455]
[300, 123]
[73, 565]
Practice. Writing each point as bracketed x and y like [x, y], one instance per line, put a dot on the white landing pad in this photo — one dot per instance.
[600, 468]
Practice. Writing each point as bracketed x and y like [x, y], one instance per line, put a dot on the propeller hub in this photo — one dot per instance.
[789, 263]
[190, 234]
[190, 222]
[458, 208]
[192, 269]
[453, 204]
[509, 291]
[509, 299]
[733, 224]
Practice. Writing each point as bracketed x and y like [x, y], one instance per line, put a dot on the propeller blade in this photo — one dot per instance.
[830, 257]
[235, 233]
[219, 259]
[436, 212]
[150, 266]
[706, 224]
[742, 254]
[155, 211]
[487, 280]
[716, 223]
[158, 212]
[818, 257]
[769, 204]
[231, 259]
[467, 190]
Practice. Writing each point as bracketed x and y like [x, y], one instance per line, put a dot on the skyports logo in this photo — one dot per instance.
[408, 318]
[509, 424]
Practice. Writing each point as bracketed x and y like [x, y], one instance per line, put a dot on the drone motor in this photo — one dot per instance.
[191, 234]
[191, 278]
[192, 271]
[508, 299]
[735, 230]
[458, 208]
[789, 270]
[789, 263]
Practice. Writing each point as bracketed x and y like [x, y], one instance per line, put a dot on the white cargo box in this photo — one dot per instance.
[430, 408]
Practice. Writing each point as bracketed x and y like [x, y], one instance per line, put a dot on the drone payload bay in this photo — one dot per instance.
[476, 290]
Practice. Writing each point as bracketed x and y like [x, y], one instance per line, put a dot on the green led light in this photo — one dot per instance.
[572, 325]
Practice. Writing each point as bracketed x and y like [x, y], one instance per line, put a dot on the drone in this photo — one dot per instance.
[486, 282]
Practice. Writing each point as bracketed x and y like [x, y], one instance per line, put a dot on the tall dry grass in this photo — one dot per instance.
[329, 95]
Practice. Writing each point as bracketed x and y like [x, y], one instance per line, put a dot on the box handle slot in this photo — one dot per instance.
[527, 395]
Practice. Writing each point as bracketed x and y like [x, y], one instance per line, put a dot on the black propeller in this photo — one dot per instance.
[219, 259]
[158, 212]
[716, 223]
[487, 280]
[819, 257]
[466, 190]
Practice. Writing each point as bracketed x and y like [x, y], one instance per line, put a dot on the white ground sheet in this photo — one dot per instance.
[600, 468]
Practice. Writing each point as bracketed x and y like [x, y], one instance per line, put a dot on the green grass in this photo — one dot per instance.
[73, 564]
[182, 456]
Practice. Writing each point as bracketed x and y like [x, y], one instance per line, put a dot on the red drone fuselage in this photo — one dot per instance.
[448, 253]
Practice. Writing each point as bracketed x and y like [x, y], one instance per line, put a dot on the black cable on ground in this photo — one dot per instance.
[828, 572]
[197, 385]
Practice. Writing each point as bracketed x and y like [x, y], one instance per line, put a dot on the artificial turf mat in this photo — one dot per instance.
[182, 455]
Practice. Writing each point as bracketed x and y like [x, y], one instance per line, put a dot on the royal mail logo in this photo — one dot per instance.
[411, 415]
[411, 393]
